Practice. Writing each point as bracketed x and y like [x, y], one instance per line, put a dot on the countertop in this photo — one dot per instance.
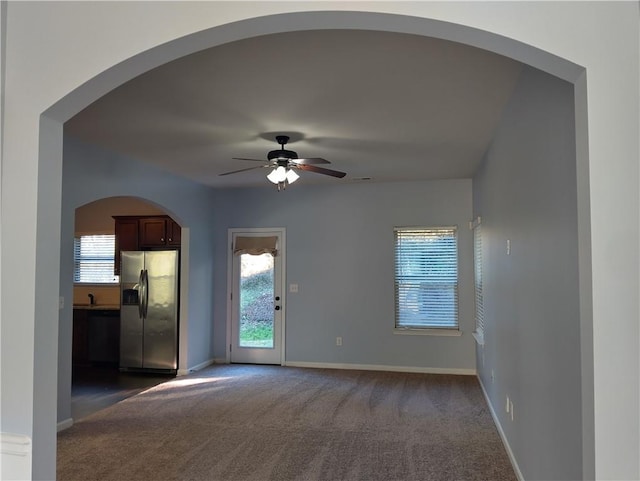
[98, 307]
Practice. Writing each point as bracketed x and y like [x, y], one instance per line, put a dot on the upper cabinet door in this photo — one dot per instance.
[126, 231]
[153, 232]
[145, 233]
[173, 233]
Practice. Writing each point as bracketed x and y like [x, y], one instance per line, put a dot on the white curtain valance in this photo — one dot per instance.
[255, 245]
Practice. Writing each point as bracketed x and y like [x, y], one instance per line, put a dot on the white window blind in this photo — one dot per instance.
[426, 278]
[477, 260]
[93, 257]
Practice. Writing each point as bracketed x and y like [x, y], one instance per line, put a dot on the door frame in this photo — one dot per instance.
[282, 252]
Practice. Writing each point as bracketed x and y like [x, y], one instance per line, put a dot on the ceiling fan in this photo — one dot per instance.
[284, 164]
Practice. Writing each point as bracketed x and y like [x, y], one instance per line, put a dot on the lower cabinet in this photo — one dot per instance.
[80, 349]
[96, 337]
[104, 337]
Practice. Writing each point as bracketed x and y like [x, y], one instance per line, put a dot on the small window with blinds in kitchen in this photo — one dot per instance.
[426, 278]
[93, 259]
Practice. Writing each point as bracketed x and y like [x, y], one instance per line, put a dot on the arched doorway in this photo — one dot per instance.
[52, 126]
[96, 381]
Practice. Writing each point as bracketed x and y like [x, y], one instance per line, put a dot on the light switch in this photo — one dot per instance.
[508, 247]
[293, 287]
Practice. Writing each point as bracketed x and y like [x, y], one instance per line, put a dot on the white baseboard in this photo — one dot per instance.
[66, 424]
[197, 367]
[381, 367]
[496, 421]
[221, 360]
[15, 456]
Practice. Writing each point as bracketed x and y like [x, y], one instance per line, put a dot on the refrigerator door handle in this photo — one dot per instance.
[141, 291]
[146, 292]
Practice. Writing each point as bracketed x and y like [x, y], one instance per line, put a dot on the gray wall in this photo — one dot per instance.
[526, 192]
[90, 173]
[340, 253]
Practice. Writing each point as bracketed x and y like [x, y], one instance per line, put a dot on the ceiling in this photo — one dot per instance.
[382, 105]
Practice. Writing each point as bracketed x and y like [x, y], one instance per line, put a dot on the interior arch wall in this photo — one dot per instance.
[83, 59]
[96, 217]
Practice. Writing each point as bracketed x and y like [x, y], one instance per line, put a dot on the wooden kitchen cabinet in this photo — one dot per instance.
[174, 233]
[96, 336]
[153, 232]
[159, 232]
[104, 336]
[126, 231]
[135, 233]
[80, 342]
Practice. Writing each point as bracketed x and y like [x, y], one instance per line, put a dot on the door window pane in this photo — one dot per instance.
[256, 301]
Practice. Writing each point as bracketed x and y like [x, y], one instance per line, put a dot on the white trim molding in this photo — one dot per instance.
[475, 223]
[503, 437]
[15, 456]
[65, 424]
[382, 367]
[197, 367]
[282, 254]
[407, 331]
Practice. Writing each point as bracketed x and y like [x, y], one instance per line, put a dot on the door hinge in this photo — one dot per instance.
[230, 347]
[231, 296]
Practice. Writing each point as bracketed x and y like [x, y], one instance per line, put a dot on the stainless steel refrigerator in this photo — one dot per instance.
[149, 310]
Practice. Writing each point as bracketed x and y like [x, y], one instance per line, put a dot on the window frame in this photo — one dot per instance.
[78, 260]
[433, 329]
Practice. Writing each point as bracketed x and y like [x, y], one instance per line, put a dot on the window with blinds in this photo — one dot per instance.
[477, 260]
[93, 257]
[426, 278]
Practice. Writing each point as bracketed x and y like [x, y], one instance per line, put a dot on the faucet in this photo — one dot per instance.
[92, 299]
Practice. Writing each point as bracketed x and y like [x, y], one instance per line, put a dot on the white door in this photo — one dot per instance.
[257, 296]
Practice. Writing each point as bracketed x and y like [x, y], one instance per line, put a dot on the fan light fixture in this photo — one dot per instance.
[285, 163]
[282, 176]
[292, 176]
[277, 175]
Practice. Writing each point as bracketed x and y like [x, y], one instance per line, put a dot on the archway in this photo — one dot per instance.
[51, 127]
[94, 375]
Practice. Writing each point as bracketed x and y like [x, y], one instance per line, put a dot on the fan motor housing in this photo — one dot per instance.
[282, 154]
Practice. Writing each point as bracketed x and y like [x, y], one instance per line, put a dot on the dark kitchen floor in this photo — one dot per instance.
[95, 388]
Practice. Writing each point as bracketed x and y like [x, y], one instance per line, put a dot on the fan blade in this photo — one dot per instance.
[311, 160]
[244, 170]
[321, 170]
[252, 160]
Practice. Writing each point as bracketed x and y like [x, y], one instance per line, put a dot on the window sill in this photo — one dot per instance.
[428, 332]
[479, 337]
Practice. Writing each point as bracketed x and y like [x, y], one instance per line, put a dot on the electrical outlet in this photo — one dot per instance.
[508, 247]
[338, 341]
[293, 287]
[508, 406]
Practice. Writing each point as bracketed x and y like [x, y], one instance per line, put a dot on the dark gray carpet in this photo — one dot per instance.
[275, 423]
